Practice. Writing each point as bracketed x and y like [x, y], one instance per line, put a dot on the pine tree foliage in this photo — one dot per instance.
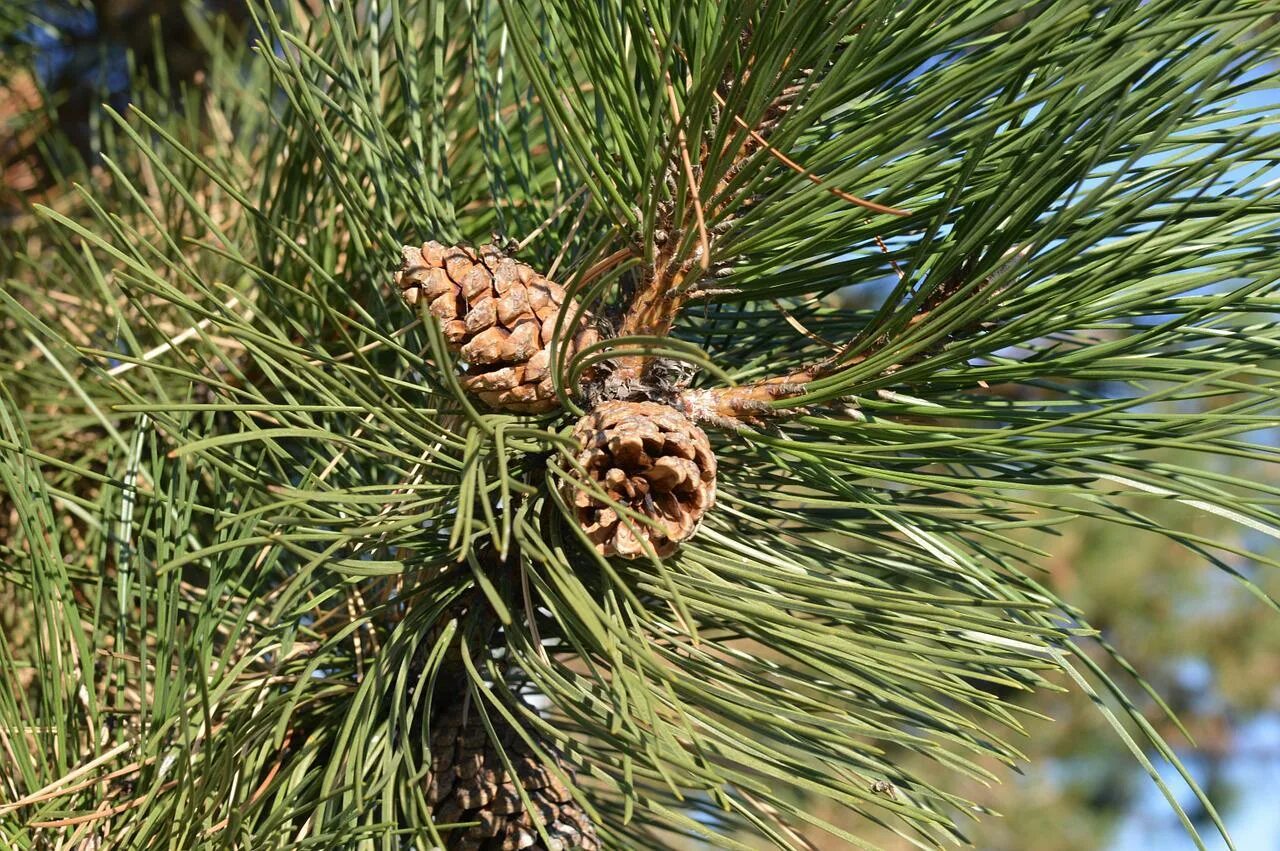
[265, 536]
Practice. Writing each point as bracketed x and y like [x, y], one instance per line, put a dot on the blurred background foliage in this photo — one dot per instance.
[1204, 645]
[1197, 636]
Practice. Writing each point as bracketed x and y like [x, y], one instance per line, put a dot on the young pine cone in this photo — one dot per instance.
[499, 314]
[469, 783]
[650, 458]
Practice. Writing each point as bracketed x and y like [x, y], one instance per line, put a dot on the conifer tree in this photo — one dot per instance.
[576, 425]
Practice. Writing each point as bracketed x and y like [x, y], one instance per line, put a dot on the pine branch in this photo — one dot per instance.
[258, 511]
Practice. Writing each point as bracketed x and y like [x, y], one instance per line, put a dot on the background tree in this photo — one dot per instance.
[286, 572]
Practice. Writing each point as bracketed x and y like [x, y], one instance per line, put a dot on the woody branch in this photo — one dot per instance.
[753, 403]
[671, 280]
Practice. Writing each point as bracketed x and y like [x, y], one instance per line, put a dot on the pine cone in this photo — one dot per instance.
[650, 458]
[469, 783]
[499, 314]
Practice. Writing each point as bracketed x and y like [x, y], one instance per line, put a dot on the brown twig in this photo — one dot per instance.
[107, 813]
[708, 293]
[746, 403]
[56, 788]
[884, 249]
[549, 220]
[695, 190]
[262, 787]
[799, 326]
[568, 240]
[808, 175]
[598, 269]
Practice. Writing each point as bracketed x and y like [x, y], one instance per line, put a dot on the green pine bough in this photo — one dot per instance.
[878, 290]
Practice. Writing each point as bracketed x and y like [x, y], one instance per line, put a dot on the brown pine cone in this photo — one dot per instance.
[650, 458]
[499, 314]
[469, 783]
